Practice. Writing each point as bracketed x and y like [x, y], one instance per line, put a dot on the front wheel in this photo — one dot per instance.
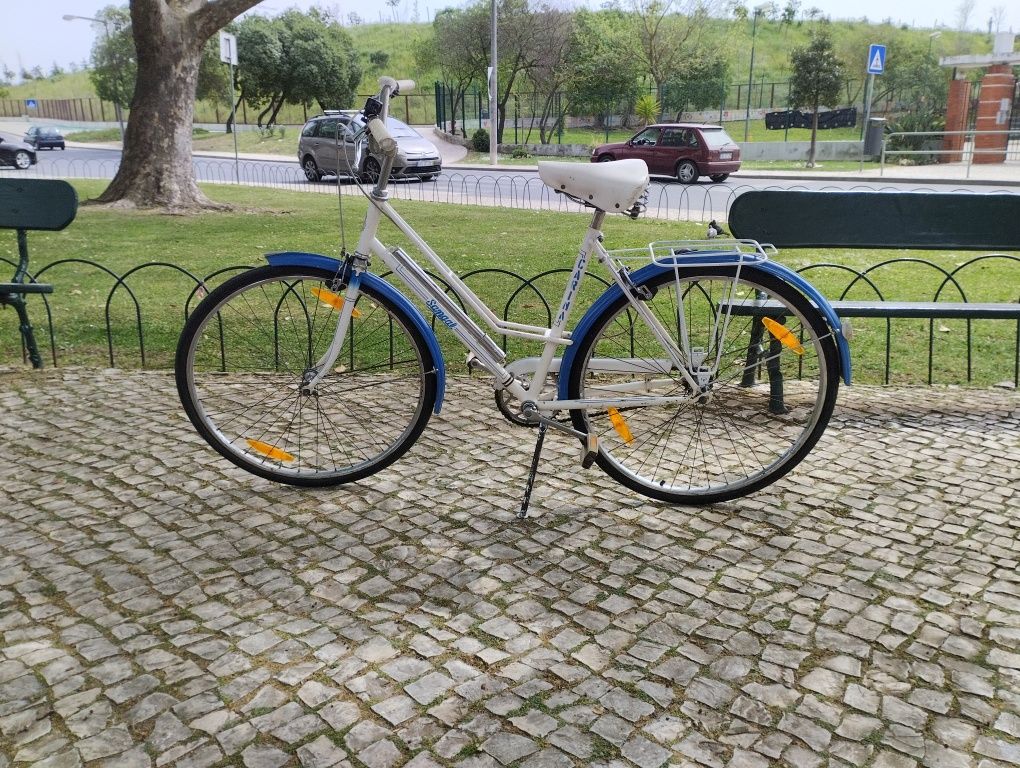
[312, 172]
[22, 160]
[719, 178]
[729, 436]
[247, 350]
[372, 171]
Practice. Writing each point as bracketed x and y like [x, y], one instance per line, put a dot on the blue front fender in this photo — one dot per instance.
[297, 259]
[787, 275]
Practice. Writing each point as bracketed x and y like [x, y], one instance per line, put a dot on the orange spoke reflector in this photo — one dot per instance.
[269, 451]
[783, 335]
[334, 300]
[620, 425]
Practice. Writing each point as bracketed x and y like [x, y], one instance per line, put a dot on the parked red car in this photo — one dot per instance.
[683, 150]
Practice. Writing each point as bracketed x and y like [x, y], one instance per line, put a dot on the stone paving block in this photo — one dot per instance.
[858, 612]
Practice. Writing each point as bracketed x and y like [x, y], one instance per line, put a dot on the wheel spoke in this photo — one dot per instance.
[247, 350]
[728, 439]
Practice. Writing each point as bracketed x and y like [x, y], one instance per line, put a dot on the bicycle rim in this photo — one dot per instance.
[245, 350]
[732, 441]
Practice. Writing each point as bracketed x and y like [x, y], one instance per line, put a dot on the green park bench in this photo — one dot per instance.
[31, 204]
[910, 220]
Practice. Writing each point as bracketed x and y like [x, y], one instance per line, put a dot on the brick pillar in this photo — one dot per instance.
[994, 107]
[957, 107]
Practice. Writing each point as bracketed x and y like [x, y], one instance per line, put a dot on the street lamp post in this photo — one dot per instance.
[116, 77]
[931, 38]
[750, 72]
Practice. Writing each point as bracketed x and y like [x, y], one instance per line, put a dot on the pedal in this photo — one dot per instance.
[589, 450]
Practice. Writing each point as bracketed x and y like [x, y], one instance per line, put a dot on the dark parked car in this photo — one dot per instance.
[683, 150]
[43, 137]
[16, 153]
[319, 156]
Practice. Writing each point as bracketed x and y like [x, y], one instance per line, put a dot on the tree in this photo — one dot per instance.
[450, 51]
[114, 67]
[701, 85]
[601, 78]
[156, 168]
[551, 73]
[816, 79]
[669, 33]
[963, 12]
[296, 58]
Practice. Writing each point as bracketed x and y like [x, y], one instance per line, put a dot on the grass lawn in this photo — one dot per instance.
[181, 250]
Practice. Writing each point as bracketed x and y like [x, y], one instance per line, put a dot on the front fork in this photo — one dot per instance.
[354, 268]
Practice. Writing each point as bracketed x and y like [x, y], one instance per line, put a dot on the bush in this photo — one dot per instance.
[916, 122]
[519, 152]
[480, 140]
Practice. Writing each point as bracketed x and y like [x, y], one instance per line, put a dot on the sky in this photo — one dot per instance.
[32, 35]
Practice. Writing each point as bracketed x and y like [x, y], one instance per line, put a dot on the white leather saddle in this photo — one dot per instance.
[614, 186]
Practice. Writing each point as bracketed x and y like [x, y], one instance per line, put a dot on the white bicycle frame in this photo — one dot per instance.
[483, 349]
[487, 353]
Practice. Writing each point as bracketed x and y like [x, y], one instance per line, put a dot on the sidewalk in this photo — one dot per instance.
[160, 607]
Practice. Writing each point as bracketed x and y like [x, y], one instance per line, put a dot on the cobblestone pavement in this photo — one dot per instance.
[159, 607]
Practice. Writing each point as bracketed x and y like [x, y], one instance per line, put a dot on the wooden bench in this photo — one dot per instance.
[914, 220]
[31, 204]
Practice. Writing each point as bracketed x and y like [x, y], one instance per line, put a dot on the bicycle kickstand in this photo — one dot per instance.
[523, 513]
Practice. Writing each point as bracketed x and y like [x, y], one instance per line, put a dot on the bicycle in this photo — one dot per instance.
[313, 371]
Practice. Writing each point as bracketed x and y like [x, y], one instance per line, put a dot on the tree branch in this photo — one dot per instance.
[216, 14]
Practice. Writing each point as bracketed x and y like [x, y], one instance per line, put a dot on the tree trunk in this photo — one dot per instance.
[155, 168]
[233, 114]
[814, 136]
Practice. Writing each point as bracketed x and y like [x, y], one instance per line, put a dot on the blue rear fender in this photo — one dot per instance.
[787, 275]
[414, 317]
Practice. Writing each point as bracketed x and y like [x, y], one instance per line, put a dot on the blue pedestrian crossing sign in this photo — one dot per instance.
[876, 59]
[31, 104]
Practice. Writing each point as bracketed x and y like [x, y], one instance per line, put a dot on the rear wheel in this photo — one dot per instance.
[718, 178]
[247, 350]
[22, 160]
[686, 172]
[728, 440]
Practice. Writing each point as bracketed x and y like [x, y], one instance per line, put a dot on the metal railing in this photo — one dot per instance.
[968, 149]
[667, 201]
[129, 327]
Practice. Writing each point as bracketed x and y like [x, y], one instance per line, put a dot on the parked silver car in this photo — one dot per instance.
[327, 148]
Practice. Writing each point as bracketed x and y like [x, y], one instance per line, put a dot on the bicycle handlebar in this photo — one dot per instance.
[395, 86]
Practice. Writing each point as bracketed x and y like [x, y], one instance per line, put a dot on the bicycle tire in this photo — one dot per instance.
[240, 362]
[725, 445]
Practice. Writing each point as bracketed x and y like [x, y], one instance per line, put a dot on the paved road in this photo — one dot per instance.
[159, 607]
[102, 163]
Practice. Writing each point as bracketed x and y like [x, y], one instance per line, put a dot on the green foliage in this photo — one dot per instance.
[702, 84]
[817, 74]
[480, 140]
[213, 74]
[601, 79]
[917, 121]
[379, 59]
[114, 65]
[296, 58]
[519, 153]
[817, 79]
[647, 109]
